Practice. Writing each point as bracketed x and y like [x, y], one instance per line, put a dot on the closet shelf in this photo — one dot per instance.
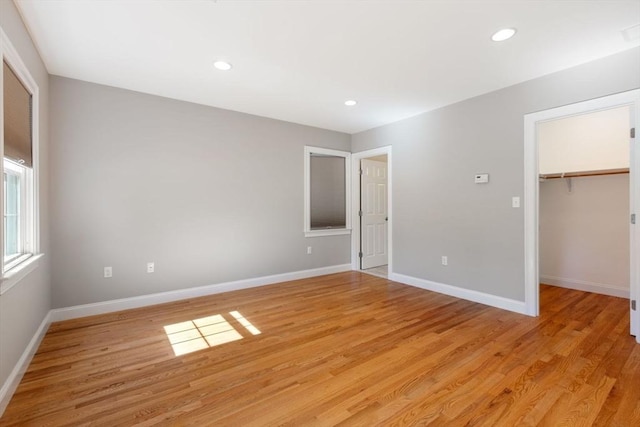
[584, 173]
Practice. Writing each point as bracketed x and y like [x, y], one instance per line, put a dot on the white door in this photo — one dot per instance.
[634, 204]
[373, 205]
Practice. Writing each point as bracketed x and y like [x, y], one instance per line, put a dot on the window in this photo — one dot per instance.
[19, 146]
[327, 192]
[15, 240]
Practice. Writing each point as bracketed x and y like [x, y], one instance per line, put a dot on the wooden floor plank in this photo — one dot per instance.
[343, 349]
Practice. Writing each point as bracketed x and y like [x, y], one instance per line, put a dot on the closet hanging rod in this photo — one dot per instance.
[584, 173]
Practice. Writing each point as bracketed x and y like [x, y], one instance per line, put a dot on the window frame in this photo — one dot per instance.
[30, 214]
[25, 206]
[13, 169]
[308, 152]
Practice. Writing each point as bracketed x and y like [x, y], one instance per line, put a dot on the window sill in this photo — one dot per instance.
[327, 232]
[19, 272]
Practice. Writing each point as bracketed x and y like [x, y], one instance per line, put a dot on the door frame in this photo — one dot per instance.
[531, 194]
[355, 204]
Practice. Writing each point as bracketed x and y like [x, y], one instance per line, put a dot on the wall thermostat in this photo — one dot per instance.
[482, 178]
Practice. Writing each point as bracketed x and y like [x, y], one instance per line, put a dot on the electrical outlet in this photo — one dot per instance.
[308, 250]
[108, 272]
[445, 260]
[151, 267]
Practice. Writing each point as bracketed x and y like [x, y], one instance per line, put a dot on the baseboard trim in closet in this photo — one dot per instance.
[582, 285]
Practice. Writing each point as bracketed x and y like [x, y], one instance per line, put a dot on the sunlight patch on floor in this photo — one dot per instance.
[244, 322]
[193, 335]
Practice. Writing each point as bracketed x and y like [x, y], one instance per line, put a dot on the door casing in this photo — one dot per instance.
[531, 194]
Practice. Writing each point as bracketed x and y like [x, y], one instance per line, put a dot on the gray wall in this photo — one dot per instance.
[209, 195]
[584, 234]
[24, 306]
[438, 210]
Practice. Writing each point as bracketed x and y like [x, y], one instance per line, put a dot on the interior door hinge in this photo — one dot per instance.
[361, 172]
[633, 132]
[359, 213]
[633, 305]
[633, 218]
[360, 254]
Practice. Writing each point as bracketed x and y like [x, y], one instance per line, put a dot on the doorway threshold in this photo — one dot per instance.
[380, 271]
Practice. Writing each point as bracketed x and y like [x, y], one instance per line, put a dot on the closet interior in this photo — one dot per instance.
[584, 202]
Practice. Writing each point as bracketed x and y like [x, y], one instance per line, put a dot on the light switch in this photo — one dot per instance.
[515, 202]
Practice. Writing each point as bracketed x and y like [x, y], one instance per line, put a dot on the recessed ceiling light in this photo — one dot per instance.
[350, 102]
[222, 65]
[504, 34]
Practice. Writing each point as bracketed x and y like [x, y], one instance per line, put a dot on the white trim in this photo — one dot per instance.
[170, 296]
[634, 205]
[327, 232]
[531, 196]
[5, 45]
[16, 274]
[586, 286]
[355, 203]
[25, 233]
[308, 232]
[13, 380]
[467, 294]
[531, 227]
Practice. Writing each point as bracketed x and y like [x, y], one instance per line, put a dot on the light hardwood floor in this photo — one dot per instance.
[349, 349]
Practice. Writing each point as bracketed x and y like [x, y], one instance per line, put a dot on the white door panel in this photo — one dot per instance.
[374, 213]
[634, 204]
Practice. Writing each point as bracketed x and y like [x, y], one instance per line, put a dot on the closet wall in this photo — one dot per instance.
[584, 221]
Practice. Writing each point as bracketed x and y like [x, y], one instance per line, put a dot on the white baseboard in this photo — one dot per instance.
[163, 297]
[583, 285]
[467, 294]
[11, 384]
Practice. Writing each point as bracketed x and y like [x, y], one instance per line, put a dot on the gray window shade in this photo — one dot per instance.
[17, 118]
[327, 188]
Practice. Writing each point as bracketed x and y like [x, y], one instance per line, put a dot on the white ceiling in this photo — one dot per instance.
[300, 60]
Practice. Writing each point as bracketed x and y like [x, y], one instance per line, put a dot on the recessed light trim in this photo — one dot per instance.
[222, 65]
[350, 102]
[503, 34]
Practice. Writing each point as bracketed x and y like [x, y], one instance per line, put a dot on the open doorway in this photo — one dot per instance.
[583, 163]
[371, 205]
[533, 124]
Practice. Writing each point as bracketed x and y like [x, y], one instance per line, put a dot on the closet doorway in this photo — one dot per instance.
[571, 237]
[583, 164]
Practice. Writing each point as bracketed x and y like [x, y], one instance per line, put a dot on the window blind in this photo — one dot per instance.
[17, 119]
